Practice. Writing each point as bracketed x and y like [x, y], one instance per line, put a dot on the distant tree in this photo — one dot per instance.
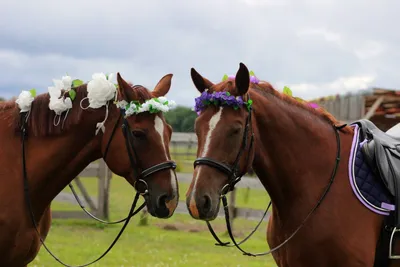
[2, 99]
[181, 119]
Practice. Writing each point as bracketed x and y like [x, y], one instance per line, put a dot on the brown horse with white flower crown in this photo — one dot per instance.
[330, 185]
[33, 137]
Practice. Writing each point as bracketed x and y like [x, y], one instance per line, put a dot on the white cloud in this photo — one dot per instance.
[341, 85]
[318, 47]
[327, 35]
[266, 2]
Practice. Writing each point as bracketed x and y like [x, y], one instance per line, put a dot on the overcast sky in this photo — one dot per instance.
[316, 47]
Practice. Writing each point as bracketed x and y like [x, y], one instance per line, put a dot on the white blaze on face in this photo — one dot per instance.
[159, 126]
[212, 124]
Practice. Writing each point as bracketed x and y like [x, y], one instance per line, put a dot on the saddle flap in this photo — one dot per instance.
[387, 162]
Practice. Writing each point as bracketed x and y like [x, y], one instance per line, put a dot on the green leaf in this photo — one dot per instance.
[33, 92]
[287, 91]
[76, 83]
[248, 104]
[225, 77]
[72, 94]
[252, 73]
[299, 99]
[228, 94]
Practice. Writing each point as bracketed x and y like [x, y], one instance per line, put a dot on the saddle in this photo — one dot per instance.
[382, 152]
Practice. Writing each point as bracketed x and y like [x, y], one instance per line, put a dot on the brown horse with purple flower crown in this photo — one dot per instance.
[40, 158]
[333, 187]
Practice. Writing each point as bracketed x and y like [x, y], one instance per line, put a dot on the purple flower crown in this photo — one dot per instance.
[220, 99]
[226, 99]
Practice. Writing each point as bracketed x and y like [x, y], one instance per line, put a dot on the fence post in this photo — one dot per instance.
[102, 211]
[232, 206]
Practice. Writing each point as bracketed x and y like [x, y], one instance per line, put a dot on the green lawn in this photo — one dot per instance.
[178, 241]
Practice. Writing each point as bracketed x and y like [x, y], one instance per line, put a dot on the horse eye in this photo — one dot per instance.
[138, 134]
[234, 131]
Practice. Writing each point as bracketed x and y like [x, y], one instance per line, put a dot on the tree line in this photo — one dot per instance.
[181, 119]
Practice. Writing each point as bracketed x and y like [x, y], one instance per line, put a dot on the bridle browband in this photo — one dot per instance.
[140, 183]
[234, 177]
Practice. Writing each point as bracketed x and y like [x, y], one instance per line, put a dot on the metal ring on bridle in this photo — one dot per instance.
[143, 192]
[225, 190]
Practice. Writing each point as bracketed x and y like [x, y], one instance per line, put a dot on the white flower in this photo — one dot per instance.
[100, 90]
[158, 104]
[58, 84]
[24, 101]
[121, 104]
[59, 105]
[162, 99]
[67, 82]
[144, 107]
[54, 92]
[131, 110]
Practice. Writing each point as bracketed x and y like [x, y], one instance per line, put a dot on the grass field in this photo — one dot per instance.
[178, 241]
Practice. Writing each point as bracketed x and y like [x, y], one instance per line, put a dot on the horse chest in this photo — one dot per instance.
[18, 243]
[18, 248]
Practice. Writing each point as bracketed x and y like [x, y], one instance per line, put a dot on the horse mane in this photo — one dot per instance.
[41, 118]
[267, 89]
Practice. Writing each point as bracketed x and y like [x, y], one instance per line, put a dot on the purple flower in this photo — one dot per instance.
[217, 99]
[254, 79]
[313, 105]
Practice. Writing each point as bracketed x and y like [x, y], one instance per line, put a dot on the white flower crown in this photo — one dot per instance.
[100, 91]
[154, 105]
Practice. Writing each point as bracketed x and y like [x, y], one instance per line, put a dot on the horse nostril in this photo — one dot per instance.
[162, 201]
[207, 204]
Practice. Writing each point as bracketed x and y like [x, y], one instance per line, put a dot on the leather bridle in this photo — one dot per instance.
[140, 183]
[234, 176]
[233, 172]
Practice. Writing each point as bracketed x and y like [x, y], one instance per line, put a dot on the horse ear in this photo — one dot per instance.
[200, 82]
[123, 87]
[242, 79]
[162, 86]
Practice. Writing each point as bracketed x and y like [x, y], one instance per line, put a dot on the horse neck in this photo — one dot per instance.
[64, 156]
[48, 187]
[294, 152]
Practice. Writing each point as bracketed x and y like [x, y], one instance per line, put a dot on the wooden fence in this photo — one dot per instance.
[381, 106]
[183, 146]
[100, 206]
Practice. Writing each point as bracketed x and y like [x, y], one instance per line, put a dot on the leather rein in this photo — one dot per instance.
[234, 176]
[140, 183]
